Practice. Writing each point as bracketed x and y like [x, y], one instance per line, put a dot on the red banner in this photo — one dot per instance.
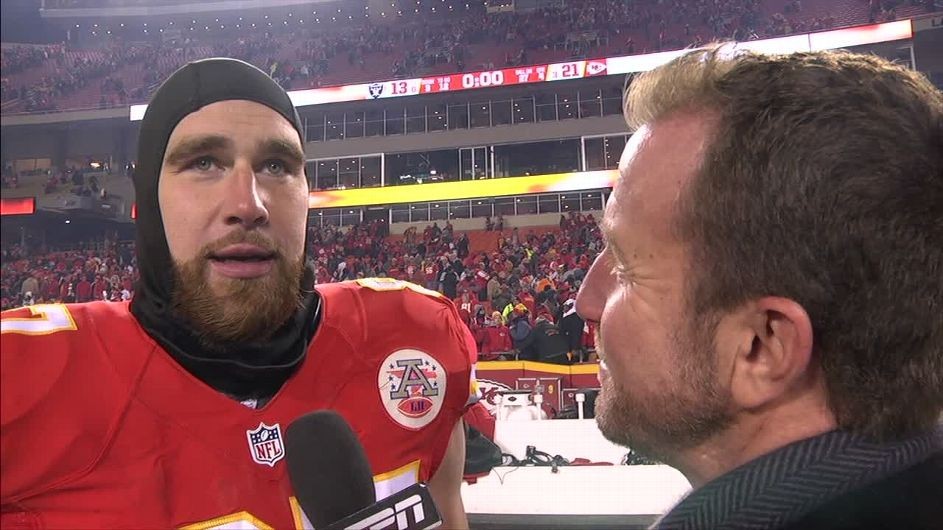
[22, 206]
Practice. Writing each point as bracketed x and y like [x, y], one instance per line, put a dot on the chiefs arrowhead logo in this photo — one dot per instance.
[595, 67]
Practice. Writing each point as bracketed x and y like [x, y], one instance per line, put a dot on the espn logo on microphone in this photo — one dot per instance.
[410, 509]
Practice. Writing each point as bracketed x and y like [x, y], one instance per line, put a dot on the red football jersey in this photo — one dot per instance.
[101, 428]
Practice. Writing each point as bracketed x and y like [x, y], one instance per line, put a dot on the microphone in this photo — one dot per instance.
[331, 476]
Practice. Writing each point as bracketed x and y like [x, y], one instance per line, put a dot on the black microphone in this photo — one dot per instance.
[328, 468]
[333, 483]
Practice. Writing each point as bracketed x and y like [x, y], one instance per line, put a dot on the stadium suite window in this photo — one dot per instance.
[419, 212]
[501, 112]
[590, 103]
[354, 124]
[311, 172]
[482, 208]
[459, 209]
[523, 110]
[525, 205]
[473, 162]
[567, 105]
[314, 131]
[548, 203]
[591, 200]
[330, 216]
[458, 117]
[611, 101]
[395, 119]
[334, 126]
[422, 167]
[570, 202]
[373, 125]
[504, 206]
[370, 172]
[480, 114]
[400, 213]
[537, 158]
[603, 152]
[350, 217]
[348, 174]
[438, 117]
[327, 174]
[438, 211]
[546, 105]
[415, 118]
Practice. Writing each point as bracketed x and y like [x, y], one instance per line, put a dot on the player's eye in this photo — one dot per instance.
[203, 163]
[275, 166]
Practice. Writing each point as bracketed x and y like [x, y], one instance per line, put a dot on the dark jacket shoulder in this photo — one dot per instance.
[911, 499]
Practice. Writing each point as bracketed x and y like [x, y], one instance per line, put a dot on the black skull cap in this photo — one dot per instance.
[192, 87]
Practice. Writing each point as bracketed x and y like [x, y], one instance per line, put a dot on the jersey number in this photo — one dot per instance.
[390, 284]
[46, 319]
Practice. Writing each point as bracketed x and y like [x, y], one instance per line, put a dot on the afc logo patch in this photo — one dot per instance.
[265, 444]
[376, 90]
[412, 387]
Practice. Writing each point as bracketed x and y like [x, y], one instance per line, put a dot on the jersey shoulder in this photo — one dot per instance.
[55, 369]
[378, 310]
[48, 336]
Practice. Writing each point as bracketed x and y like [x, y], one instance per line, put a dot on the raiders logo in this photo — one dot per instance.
[376, 89]
[412, 387]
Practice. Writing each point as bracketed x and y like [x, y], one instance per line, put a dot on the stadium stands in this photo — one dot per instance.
[109, 71]
[522, 262]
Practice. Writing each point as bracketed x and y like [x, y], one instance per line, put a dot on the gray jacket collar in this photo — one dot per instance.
[781, 487]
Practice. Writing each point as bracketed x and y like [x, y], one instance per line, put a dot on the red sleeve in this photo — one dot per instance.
[58, 399]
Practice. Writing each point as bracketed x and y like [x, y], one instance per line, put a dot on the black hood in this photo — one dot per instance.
[245, 370]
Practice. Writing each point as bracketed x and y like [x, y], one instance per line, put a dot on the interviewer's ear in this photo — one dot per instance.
[766, 348]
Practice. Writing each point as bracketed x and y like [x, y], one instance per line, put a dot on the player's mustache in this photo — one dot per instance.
[246, 237]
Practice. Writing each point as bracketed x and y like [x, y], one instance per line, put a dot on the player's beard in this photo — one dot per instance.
[692, 408]
[237, 310]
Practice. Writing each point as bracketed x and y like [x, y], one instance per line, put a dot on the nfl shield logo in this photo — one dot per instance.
[265, 444]
[375, 89]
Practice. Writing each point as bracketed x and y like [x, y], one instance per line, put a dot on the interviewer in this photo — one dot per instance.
[770, 300]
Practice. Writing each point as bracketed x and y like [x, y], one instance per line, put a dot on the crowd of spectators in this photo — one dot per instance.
[516, 298]
[15, 59]
[99, 270]
[470, 39]
[71, 179]
[71, 75]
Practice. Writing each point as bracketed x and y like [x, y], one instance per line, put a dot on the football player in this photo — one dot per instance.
[170, 410]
